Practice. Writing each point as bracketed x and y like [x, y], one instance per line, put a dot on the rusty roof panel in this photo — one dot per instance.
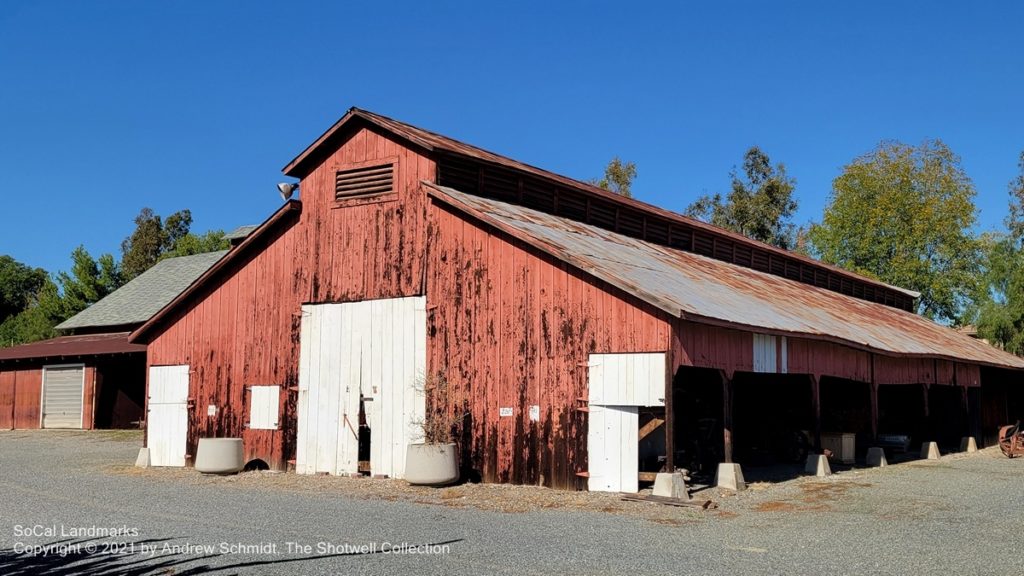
[68, 346]
[712, 291]
[438, 142]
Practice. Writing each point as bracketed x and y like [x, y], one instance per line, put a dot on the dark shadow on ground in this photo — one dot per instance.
[81, 557]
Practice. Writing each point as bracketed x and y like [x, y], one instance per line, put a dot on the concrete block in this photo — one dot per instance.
[817, 464]
[730, 477]
[876, 457]
[142, 460]
[671, 485]
[930, 451]
[968, 444]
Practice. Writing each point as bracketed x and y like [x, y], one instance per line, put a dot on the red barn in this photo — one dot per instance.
[585, 339]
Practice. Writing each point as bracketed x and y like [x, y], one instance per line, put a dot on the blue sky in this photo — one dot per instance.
[108, 106]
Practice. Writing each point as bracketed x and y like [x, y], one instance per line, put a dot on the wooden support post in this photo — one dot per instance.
[670, 415]
[929, 426]
[816, 409]
[874, 412]
[874, 403]
[727, 394]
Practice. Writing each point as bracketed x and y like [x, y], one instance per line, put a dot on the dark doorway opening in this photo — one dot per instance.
[947, 415]
[773, 419]
[845, 411]
[901, 414]
[120, 392]
[697, 425]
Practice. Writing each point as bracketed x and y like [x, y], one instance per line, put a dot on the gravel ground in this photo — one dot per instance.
[958, 515]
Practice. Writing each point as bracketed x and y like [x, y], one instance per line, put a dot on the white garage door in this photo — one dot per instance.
[63, 387]
[376, 350]
[167, 417]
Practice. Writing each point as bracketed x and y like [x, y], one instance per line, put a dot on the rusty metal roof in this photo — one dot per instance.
[437, 142]
[69, 346]
[706, 290]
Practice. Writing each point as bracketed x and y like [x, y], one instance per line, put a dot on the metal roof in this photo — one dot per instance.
[438, 142]
[138, 300]
[68, 346]
[703, 289]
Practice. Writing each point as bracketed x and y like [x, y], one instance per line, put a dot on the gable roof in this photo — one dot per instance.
[141, 298]
[283, 215]
[705, 290]
[70, 346]
[438, 143]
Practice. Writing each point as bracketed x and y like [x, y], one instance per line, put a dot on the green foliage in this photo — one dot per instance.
[759, 205]
[89, 281]
[18, 286]
[618, 177]
[31, 303]
[151, 239]
[35, 322]
[903, 214]
[190, 244]
[1000, 308]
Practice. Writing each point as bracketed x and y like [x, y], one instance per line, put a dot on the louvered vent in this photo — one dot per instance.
[368, 181]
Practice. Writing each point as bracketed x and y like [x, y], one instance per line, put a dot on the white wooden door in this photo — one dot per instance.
[167, 419]
[63, 388]
[373, 350]
[617, 385]
[612, 448]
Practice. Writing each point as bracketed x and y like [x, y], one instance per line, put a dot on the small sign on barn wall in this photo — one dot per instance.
[211, 410]
[504, 411]
[534, 413]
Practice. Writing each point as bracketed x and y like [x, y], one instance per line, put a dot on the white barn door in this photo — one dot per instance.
[167, 415]
[374, 351]
[617, 385]
[63, 390]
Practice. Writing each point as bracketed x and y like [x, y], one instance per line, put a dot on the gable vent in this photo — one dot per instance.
[367, 181]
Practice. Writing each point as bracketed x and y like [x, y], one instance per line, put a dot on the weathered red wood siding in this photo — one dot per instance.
[20, 397]
[732, 350]
[509, 326]
[245, 330]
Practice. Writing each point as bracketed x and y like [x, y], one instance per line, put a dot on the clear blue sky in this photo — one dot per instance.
[107, 106]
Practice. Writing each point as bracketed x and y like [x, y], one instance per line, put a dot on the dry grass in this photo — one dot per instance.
[503, 498]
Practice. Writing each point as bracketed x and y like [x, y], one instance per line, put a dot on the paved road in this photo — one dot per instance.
[957, 516]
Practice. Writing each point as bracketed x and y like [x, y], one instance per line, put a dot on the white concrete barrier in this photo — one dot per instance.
[671, 485]
[876, 457]
[817, 464]
[968, 444]
[730, 477]
[930, 451]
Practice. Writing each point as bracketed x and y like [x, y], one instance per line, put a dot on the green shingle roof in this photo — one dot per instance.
[138, 300]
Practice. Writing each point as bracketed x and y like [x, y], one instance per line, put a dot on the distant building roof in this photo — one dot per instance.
[239, 234]
[68, 346]
[138, 300]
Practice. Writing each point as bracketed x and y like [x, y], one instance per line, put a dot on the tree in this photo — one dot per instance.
[903, 214]
[18, 285]
[190, 244]
[151, 239]
[35, 322]
[618, 177]
[759, 206]
[89, 281]
[1000, 302]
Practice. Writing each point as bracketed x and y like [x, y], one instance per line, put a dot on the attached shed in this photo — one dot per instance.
[93, 378]
[584, 340]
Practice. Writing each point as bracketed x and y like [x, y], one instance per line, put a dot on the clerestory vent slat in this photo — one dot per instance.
[368, 181]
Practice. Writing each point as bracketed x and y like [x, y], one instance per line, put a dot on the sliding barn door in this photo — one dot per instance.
[371, 353]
